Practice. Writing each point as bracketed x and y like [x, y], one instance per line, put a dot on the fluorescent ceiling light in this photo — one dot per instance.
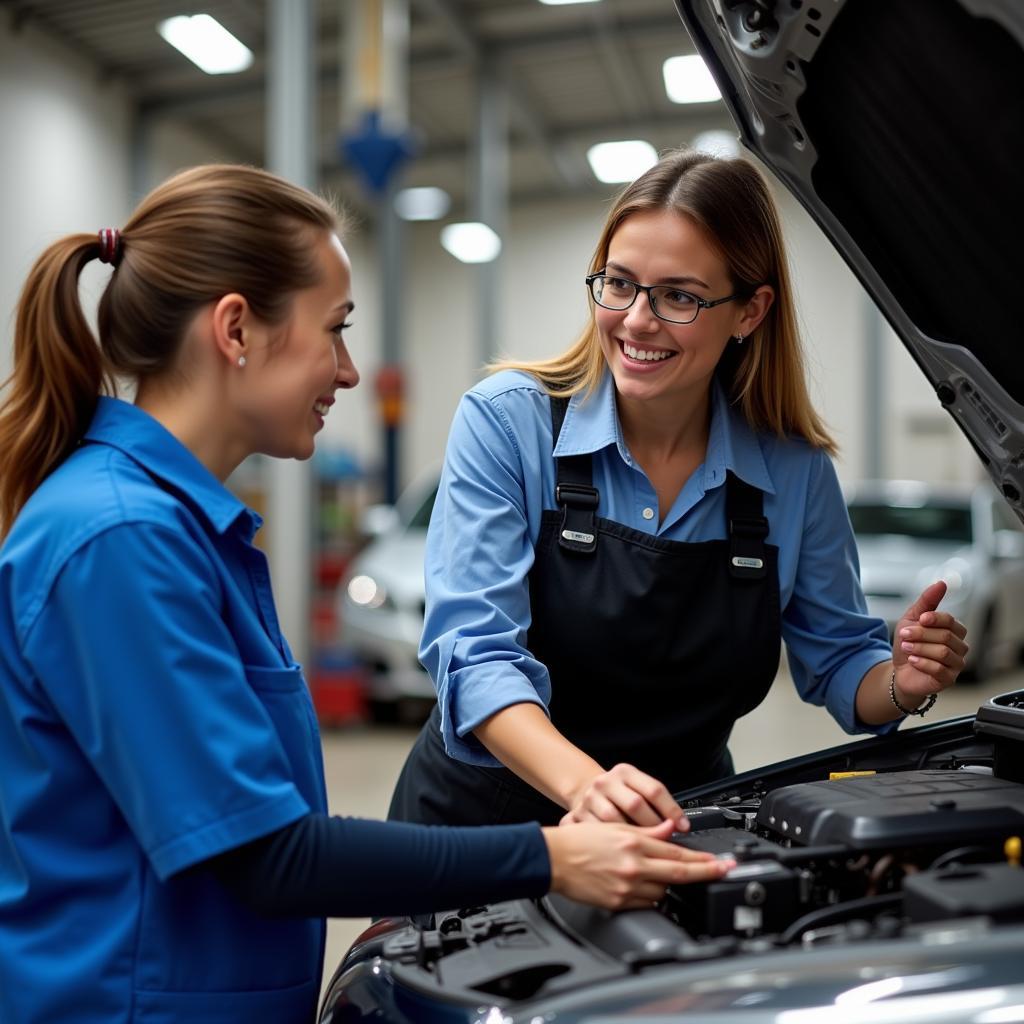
[206, 42]
[471, 242]
[559, 3]
[422, 203]
[687, 80]
[621, 161]
[718, 142]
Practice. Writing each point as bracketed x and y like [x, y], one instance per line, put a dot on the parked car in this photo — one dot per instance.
[381, 600]
[878, 881]
[910, 534]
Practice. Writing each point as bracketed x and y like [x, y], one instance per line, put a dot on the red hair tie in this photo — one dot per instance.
[110, 246]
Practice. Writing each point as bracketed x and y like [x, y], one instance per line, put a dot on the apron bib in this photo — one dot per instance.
[654, 648]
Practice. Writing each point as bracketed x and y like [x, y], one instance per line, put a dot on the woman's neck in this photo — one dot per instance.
[194, 422]
[663, 430]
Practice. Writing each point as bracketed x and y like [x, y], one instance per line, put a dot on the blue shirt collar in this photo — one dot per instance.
[126, 427]
[592, 423]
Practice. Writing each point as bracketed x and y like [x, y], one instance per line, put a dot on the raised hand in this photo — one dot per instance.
[928, 647]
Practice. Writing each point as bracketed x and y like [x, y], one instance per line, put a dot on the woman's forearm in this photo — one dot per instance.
[873, 703]
[522, 737]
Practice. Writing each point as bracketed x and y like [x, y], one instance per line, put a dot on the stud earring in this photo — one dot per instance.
[739, 339]
[241, 360]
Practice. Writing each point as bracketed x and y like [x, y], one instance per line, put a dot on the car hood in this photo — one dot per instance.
[899, 128]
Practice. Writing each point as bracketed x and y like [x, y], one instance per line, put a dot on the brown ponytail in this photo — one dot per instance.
[58, 374]
[204, 233]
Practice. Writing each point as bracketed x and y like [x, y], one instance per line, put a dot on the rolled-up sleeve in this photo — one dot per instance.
[830, 638]
[480, 549]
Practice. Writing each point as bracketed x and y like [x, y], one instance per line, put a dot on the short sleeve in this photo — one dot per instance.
[132, 650]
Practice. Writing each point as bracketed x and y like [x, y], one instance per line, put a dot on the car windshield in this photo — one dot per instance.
[923, 522]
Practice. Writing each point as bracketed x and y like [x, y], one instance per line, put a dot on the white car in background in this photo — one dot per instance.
[381, 601]
[910, 534]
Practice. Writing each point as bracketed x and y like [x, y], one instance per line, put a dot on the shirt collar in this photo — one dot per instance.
[128, 428]
[592, 423]
[733, 444]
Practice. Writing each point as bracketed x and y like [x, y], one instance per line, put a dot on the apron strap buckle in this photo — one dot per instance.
[579, 503]
[746, 559]
[748, 529]
[755, 527]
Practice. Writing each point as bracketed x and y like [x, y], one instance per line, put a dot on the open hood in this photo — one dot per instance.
[900, 128]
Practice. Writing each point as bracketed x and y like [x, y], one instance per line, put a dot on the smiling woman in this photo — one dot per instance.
[165, 848]
[650, 515]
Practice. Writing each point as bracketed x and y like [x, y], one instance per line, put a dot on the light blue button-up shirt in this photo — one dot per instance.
[151, 717]
[498, 478]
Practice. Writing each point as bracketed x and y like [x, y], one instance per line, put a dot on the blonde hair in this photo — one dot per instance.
[730, 201]
[203, 233]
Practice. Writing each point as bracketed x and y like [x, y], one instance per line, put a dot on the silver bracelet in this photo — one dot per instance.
[922, 710]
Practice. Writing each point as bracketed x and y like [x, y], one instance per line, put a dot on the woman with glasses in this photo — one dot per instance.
[624, 535]
[165, 848]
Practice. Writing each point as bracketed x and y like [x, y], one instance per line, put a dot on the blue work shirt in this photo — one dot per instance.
[499, 476]
[151, 717]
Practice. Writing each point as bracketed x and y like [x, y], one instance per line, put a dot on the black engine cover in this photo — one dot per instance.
[899, 809]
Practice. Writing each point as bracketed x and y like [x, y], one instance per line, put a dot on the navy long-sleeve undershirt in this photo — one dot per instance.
[323, 866]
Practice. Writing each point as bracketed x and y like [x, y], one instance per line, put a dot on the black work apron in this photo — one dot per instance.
[654, 649]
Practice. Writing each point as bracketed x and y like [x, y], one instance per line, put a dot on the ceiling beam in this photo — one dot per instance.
[625, 80]
[689, 121]
[568, 173]
[679, 128]
[180, 92]
[22, 14]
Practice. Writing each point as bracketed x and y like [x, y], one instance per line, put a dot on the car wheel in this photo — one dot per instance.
[406, 711]
[415, 710]
[383, 712]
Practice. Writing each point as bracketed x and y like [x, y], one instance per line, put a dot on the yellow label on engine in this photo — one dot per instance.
[847, 775]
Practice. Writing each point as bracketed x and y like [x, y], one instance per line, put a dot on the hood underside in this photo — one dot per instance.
[899, 127]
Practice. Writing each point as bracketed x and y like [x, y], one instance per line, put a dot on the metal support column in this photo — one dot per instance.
[290, 120]
[390, 242]
[490, 195]
[376, 141]
[875, 398]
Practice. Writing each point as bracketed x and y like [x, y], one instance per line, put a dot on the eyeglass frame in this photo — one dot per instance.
[648, 288]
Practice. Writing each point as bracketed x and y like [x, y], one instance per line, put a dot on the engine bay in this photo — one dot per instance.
[858, 854]
[893, 843]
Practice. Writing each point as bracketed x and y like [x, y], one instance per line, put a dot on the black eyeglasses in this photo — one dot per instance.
[667, 302]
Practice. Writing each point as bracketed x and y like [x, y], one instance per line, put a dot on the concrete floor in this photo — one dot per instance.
[363, 763]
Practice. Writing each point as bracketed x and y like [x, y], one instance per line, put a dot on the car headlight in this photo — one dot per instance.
[366, 592]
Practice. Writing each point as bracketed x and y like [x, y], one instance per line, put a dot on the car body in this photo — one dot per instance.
[910, 534]
[878, 881]
[873, 885]
[380, 599]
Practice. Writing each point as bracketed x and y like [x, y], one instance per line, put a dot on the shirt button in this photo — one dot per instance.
[648, 513]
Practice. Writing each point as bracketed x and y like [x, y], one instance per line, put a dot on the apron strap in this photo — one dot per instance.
[575, 492]
[748, 528]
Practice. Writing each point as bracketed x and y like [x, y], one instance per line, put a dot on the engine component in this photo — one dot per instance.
[990, 890]
[897, 809]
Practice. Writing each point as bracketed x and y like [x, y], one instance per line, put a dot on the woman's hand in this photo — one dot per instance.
[628, 795]
[928, 647]
[621, 866]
